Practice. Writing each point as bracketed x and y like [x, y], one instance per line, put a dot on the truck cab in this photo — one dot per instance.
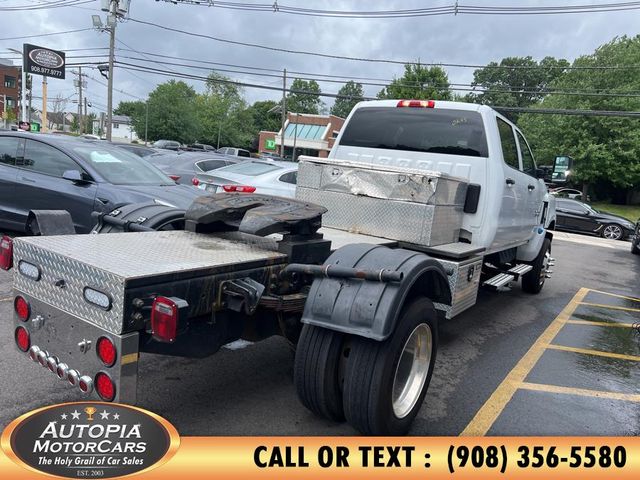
[464, 140]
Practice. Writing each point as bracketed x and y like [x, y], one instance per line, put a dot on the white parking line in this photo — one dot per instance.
[593, 241]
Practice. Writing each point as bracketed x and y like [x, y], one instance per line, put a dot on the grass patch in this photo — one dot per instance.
[631, 212]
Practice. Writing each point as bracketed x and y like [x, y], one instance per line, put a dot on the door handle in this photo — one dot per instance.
[25, 179]
[531, 187]
[510, 181]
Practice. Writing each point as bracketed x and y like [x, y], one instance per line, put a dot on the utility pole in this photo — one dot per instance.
[44, 126]
[284, 110]
[80, 85]
[113, 12]
[85, 115]
[30, 85]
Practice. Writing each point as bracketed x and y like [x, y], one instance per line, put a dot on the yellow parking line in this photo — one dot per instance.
[489, 412]
[633, 299]
[611, 307]
[598, 353]
[629, 397]
[600, 324]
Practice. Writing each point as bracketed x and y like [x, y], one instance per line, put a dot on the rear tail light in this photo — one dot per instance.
[22, 308]
[416, 103]
[6, 253]
[175, 178]
[85, 384]
[22, 339]
[106, 351]
[105, 387]
[164, 319]
[195, 182]
[238, 188]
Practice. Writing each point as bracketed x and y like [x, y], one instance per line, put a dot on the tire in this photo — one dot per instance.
[612, 231]
[373, 403]
[634, 248]
[316, 371]
[533, 281]
[158, 217]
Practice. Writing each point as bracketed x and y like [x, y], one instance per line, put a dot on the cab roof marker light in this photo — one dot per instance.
[29, 270]
[97, 298]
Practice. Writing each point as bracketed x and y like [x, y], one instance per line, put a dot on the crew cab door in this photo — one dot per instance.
[514, 225]
[535, 187]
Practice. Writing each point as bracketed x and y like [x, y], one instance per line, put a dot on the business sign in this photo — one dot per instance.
[270, 144]
[43, 61]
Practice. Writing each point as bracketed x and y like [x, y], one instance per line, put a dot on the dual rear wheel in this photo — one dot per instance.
[378, 387]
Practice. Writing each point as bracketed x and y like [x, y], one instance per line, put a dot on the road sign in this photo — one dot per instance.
[43, 61]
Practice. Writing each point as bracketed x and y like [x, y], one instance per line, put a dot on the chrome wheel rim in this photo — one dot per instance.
[545, 267]
[412, 370]
[612, 232]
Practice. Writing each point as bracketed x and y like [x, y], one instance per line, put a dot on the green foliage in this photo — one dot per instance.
[88, 123]
[304, 102]
[420, 83]
[172, 113]
[263, 120]
[521, 86]
[604, 148]
[354, 93]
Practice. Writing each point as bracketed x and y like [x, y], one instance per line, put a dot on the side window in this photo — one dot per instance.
[291, 177]
[8, 150]
[528, 163]
[244, 153]
[508, 141]
[43, 158]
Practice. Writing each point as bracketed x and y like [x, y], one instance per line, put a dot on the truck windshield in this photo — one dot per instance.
[433, 130]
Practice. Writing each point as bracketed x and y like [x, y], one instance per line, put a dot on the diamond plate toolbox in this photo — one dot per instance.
[112, 263]
[409, 205]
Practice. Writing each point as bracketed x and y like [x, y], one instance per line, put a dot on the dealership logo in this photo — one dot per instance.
[46, 58]
[90, 439]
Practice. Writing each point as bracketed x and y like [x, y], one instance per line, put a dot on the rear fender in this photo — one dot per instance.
[367, 308]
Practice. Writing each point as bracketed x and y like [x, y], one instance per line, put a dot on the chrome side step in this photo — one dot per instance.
[499, 280]
[520, 270]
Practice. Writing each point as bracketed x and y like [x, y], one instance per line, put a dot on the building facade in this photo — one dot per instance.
[9, 91]
[311, 135]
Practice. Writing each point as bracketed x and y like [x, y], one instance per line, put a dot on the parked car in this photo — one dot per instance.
[234, 152]
[635, 241]
[571, 193]
[167, 144]
[184, 166]
[575, 216]
[139, 150]
[200, 147]
[253, 176]
[271, 156]
[60, 173]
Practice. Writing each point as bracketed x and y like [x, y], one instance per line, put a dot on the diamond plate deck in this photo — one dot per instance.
[114, 262]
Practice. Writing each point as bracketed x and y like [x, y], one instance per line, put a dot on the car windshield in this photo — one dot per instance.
[120, 167]
[432, 130]
[251, 169]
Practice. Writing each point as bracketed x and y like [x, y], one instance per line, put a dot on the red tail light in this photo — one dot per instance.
[6, 253]
[164, 319]
[238, 188]
[175, 178]
[417, 103]
[195, 182]
[23, 340]
[105, 387]
[22, 308]
[106, 351]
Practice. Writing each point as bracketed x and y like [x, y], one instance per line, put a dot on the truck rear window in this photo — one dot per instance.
[433, 130]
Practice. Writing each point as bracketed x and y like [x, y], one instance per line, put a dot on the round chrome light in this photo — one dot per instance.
[33, 353]
[85, 383]
[72, 377]
[42, 357]
[52, 363]
[62, 370]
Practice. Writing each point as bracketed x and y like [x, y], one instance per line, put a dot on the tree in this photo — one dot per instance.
[266, 116]
[520, 86]
[351, 93]
[172, 113]
[88, 123]
[299, 101]
[605, 149]
[418, 82]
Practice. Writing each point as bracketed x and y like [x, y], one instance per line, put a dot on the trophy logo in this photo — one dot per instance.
[90, 411]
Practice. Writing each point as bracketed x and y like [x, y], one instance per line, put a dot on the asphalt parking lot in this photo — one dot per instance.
[565, 362]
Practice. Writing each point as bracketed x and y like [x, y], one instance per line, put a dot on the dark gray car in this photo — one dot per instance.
[183, 167]
[47, 172]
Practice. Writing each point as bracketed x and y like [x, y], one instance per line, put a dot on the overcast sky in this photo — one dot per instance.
[469, 39]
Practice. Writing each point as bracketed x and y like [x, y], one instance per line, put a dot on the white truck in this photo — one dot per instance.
[419, 204]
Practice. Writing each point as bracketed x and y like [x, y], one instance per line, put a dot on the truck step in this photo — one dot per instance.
[520, 270]
[499, 280]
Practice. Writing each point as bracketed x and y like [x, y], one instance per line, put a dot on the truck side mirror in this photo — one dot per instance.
[561, 169]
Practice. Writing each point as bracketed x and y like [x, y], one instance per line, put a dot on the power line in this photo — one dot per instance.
[45, 6]
[47, 34]
[372, 60]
